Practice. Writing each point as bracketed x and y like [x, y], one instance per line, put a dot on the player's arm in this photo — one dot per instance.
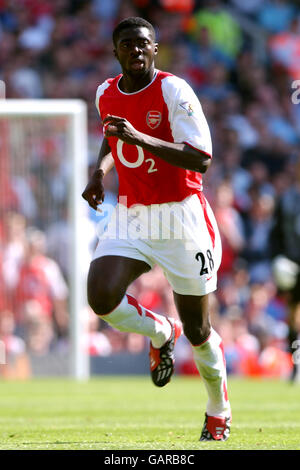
[178, 154]
[94, 191]
[107, 163]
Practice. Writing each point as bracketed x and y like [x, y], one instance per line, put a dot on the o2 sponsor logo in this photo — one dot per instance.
[140, 158]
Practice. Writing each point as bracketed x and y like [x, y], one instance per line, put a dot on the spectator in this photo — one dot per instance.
[97, 343]
[17, 364]
[230, 226]
[241, 347]
[13, 251]
[258, 225]
[216, 85]
[276, 15]
[236, 120]
[284, 241]
[37, 328]
[251, 7]
[284, 48]
[224, 31]
[178, 6]
[205, 53]
[41, 283]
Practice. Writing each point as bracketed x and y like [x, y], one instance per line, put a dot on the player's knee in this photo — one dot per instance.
[103, 296]
[196, 334]
[103, 301]
[102, 305]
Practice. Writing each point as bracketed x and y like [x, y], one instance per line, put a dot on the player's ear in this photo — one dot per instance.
[155, 48]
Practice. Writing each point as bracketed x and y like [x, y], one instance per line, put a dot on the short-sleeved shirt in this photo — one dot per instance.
[168, 109]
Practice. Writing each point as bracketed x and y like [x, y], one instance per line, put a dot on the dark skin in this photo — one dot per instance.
[110, 276]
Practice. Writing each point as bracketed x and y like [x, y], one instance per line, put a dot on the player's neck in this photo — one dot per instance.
[131, 84]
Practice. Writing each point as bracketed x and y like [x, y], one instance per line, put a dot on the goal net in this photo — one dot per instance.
[44, 232]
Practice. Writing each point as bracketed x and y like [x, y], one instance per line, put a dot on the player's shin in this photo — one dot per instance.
[210, 361]
[130, 316]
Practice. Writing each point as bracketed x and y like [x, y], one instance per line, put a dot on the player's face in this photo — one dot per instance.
[135, 50]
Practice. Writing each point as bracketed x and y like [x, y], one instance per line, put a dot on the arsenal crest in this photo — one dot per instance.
[153, 119]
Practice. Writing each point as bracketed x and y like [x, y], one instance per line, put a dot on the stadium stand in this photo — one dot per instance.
[241, 58]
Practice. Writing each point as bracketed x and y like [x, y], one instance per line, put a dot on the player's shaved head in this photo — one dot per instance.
[132, 22]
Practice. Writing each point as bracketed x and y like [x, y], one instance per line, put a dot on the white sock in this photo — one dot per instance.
[210, 361]
[130, 316]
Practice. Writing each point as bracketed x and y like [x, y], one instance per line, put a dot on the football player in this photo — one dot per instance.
[157, 136]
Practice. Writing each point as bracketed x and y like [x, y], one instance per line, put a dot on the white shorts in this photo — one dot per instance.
[181, 237]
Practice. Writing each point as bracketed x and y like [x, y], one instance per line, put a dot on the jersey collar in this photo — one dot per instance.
[138, 91]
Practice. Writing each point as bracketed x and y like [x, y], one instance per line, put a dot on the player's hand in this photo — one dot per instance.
[94, 191]
[115, 126]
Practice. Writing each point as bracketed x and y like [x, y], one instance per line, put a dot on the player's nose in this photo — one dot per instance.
[135, 50]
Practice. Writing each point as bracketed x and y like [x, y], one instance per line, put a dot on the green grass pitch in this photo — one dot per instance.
[124, 413]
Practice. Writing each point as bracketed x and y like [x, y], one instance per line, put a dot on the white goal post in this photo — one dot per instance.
[75, 112]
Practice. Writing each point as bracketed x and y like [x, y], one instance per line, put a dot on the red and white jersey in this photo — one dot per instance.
[168, 109]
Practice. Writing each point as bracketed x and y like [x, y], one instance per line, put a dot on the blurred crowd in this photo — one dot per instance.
[243, 61]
